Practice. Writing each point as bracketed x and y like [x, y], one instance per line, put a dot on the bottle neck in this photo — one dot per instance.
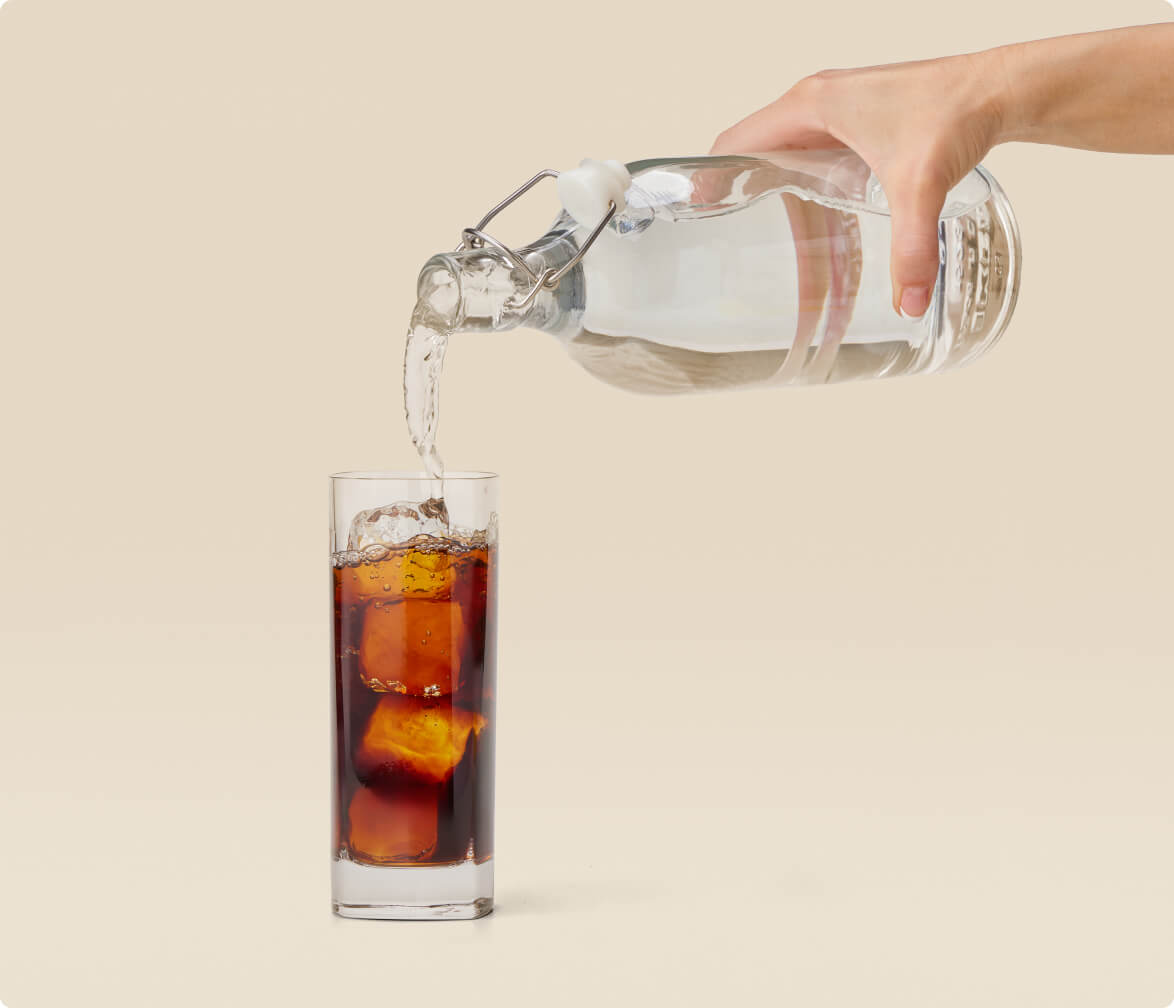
[479, 290]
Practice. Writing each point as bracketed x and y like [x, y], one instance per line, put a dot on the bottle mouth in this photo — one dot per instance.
[473, 289]
[469, 288]
[438, 292]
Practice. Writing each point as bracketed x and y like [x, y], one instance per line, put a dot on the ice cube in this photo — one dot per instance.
[414, 740]
[413, 573]
[395, 828]
[412, 646]
[394, 524]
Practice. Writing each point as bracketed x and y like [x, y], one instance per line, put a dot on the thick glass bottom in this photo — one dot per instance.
[436, 892]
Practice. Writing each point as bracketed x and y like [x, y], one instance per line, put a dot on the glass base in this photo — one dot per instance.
[433, 892]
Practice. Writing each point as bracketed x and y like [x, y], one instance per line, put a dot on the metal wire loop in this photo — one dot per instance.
[472, 238]
[475, 237]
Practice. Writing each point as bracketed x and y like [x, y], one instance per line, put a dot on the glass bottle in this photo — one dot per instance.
[734, 272]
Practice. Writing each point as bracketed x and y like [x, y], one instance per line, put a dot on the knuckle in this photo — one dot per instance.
[817, 92]
[807, 87]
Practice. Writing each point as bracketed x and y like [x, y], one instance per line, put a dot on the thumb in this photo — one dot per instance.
[915, 208]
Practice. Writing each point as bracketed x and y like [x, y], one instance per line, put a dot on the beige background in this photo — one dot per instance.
[830, 697]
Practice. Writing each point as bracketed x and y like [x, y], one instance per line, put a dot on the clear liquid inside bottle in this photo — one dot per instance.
[739, 272]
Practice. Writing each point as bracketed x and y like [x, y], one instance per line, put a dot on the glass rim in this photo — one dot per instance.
[414, 477]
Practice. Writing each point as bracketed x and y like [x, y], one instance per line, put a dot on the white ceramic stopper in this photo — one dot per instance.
[586, 191]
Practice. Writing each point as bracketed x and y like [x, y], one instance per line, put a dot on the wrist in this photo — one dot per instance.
[1009, 105]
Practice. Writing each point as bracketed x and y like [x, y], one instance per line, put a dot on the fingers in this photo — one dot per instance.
[916, 156]
[712, 185]
[915, 205]
[791, 121]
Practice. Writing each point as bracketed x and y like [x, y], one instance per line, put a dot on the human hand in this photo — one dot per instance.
[921, 127]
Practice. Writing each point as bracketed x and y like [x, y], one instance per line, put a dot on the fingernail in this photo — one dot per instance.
[914, 301]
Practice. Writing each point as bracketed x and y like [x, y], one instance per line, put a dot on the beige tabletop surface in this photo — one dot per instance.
[844, 697]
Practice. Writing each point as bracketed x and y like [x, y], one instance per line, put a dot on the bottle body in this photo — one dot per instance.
[732, 272]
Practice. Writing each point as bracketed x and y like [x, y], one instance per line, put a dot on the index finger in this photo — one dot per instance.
[789, 121]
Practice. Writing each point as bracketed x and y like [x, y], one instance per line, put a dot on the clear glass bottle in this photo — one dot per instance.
[733, 272]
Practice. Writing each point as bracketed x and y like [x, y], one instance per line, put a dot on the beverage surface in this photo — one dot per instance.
[414, 620]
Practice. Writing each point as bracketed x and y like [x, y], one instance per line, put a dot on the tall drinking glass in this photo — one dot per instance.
[415, 633]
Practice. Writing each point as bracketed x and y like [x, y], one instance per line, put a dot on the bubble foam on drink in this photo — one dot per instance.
[406, 526]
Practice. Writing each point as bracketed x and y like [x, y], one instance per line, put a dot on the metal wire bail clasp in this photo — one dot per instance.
[475, 237]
